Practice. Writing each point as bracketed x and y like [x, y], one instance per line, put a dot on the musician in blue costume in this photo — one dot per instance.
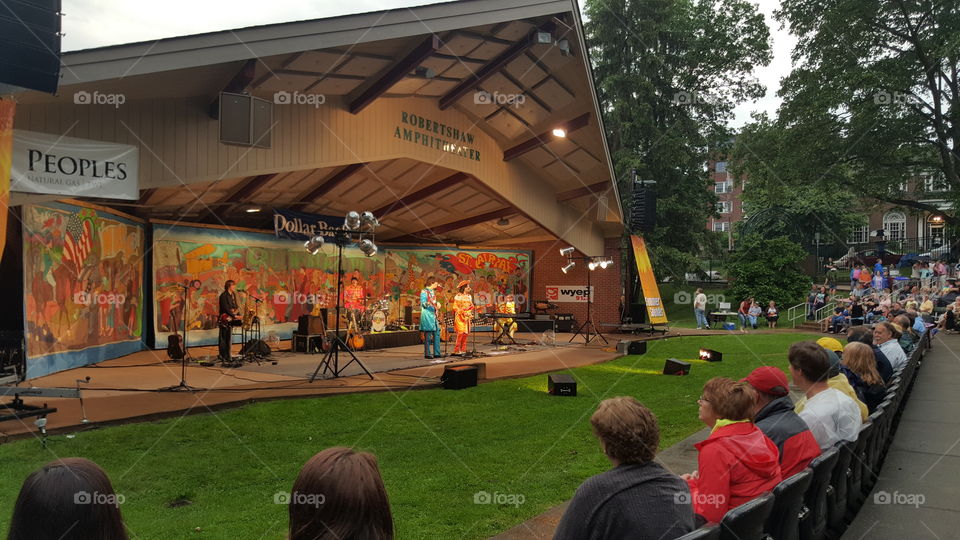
[428, 318]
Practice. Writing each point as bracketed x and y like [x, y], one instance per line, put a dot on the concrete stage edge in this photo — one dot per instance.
[126, 389]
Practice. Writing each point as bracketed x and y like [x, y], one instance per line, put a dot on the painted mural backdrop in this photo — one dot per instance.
[83, 288]
[491, 272]
[290, 281]
[287, 279]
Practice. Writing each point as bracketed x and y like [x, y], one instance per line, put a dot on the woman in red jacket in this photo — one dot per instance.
[737, 462]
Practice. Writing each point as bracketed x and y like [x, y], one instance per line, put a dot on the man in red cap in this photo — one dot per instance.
[773, 414]
[463, 307]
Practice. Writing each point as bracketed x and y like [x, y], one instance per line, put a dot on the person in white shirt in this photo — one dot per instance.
[700, 308]
[886, 336]
[829, 413]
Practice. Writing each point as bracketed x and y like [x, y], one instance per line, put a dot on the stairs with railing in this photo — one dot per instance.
[797, 317]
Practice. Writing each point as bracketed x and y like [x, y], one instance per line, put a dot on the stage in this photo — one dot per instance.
[129, 388]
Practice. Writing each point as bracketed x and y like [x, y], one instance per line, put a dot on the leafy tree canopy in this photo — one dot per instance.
[768, 269]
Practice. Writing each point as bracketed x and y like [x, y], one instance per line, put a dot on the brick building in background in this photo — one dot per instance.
[729, 204]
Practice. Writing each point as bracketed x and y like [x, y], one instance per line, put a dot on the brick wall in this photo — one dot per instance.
[607, 288]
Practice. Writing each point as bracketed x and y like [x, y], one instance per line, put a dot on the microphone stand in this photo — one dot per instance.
[183, 386]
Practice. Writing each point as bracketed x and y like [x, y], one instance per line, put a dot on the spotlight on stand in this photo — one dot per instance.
[566, 252]
[710, 355]
[352, 221]
[368, 247]
[592, 265]
[369, 221]
[605, 263]
[564, 46]
[314, 244]
[568, 267]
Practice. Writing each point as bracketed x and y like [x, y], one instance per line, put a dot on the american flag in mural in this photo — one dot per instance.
[79, 240]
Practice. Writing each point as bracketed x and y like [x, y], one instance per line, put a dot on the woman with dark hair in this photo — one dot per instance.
[67, 499]
[637, 498]
[339, 494]
[737, 462]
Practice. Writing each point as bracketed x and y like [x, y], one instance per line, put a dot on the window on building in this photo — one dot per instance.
[720, 166]
[721, 226]
[723, 187]
[725, 207]
[895, 225]
[859, 235]
[933, 183]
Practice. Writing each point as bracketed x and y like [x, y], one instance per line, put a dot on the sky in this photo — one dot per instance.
[98, 23]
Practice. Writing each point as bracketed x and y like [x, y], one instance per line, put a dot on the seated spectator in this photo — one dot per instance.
[67, 499]
[926, 308]
[773, 315]
[753, 314]
[737, 462]
[637, 498]
[743, 313]
[838, 322]
[858, 291]
[857, 314]
[829, 413]
[865, 335]
[885, 336]
[907, 341]
[339, 494]
[950, 320]
[919, 325]
[861, 371]
[773, 413]
[837, 379]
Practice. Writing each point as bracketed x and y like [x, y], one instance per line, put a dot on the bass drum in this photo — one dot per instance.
[378, 322]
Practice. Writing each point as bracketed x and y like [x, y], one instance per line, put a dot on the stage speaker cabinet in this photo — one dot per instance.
[308, 324]
[625, 347]
[564, 322]
[638, 313]
[459, 377]
[245, 120]
[257, 347]
[676, 367]
[643, 208]
[408, 316]
[175, 348]
[561, 384]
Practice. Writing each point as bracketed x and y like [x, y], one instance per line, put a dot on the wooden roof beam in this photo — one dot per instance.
[419, 195]
[324, 187]
[598, 188]
[488, 70]
[459, 224]
[539, 140]
[399, 70]
[237, 84]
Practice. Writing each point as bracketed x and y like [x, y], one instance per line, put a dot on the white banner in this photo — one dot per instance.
[568, 293]
[45, 163]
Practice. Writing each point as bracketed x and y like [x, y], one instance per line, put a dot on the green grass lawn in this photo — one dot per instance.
[436, 448]
[678, 302]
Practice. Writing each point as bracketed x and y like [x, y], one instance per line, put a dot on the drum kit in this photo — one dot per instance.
[374, 318]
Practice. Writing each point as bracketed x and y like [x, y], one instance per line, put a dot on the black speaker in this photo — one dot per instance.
[245, 120]
[408, 316]
[643, 208]
[175, 349]
[30, 39]
[561, 384]
[257, 347]
[564, 322]
[631, 347]
[459, 377]
[308, 324]
[676, 367]
[638, 313]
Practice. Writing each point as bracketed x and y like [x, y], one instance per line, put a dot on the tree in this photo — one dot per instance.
[779, 197]
[668, 74]
[875, 97]
[768, 269]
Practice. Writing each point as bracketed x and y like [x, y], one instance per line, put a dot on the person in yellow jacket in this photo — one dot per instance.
[463, 309]
[839, 380]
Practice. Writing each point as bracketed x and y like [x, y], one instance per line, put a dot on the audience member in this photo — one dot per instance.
[861, 371]
[339, 494]
[67, 499]
[865, 335]
[829, 413]
[885, 336]
[743, 313]
[637, 498]
[773, 315]
[907, 340]
[837, 379]
[700, 309]
[737, 462]
[773, 413]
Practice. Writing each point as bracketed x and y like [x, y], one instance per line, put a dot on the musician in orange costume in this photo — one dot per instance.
[463, 309]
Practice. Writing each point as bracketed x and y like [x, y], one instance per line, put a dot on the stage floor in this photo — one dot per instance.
[130, 388]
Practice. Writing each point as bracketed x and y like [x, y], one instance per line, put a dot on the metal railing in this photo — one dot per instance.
[797, 315]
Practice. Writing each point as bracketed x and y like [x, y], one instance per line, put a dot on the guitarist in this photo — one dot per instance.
[428, 318]
[229, 310]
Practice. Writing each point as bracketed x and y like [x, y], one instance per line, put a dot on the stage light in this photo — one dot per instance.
[565, 252]
[503, 222]
[253, 209]
[352, 221]
[369, 221]
[710, 355]
[368, 247]
[544, 38]
[564, 46]
[592, 265]
[605, 263]
[569, 266]
[559, 132]
[314, 244]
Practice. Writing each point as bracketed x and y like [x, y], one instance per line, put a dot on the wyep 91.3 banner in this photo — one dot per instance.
[568, 293]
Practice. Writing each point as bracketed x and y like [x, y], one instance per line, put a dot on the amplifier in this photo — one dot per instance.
[561, 384]
[308, 324]
[459, 377]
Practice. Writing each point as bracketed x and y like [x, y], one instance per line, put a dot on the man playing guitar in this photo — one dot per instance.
[428, 319]
[229, 313]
